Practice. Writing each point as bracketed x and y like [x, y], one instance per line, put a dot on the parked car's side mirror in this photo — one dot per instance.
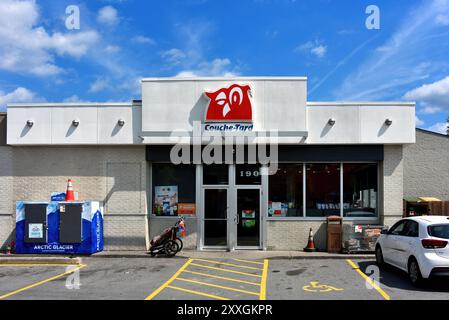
[384, 230]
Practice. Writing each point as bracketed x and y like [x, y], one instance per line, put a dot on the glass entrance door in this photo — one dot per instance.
[248, 217]
[215, 229]
[231, 207]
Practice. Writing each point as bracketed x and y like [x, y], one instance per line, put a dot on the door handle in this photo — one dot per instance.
[238, 219]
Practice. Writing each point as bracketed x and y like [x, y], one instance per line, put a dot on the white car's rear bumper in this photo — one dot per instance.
[430, 261]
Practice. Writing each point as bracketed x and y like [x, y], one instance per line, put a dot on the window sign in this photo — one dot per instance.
[173, 189]
[166, 200]
[248, 174]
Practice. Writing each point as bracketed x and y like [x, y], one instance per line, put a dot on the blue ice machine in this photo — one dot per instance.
[59, 227]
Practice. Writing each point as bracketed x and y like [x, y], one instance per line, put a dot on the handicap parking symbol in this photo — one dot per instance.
[315, 286]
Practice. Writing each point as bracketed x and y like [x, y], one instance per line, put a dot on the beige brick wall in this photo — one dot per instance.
[392, 177]
[426, 166]
[117, 176]
[113, 175]
[6, 195]
[293, 235]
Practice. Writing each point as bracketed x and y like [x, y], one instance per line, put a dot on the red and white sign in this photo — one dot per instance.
[231, 104]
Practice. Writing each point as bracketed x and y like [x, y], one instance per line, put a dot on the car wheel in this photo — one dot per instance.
[414, 273]
[379, 257]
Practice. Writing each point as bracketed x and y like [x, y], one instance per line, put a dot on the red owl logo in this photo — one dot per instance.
[230, 104]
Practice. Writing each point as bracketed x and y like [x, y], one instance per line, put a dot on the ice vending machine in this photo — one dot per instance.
[59, 227]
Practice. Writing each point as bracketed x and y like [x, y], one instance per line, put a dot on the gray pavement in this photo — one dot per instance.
[210, 277]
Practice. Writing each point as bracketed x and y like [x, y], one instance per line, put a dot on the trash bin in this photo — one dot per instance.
[334, 234]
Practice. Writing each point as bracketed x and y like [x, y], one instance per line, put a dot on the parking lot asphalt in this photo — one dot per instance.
[182, 278]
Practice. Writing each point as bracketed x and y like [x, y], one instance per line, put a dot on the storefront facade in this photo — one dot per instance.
[248, 162]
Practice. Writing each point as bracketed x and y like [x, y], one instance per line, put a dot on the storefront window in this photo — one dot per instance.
[285, 197]
[322, 189]
[360, 190]
[216, 174]
[173, 189]
[248, 174]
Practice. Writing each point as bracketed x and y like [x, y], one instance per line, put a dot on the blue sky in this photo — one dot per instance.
[120, 41]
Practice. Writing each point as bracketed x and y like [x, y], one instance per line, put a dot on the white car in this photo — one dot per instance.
[417, 245]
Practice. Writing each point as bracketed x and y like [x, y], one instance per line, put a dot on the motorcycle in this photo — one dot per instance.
[168, 242]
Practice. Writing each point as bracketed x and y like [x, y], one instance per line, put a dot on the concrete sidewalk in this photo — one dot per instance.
[241, 254]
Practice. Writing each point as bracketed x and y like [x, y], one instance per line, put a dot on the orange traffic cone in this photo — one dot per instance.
[70, 194]
[310, 244]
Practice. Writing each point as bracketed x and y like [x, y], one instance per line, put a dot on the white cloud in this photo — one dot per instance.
[430, 110]
[173, 56]
[433, 96]
[414, 52]
[313, 47]
[73, 98]
[319, 51]
[108, 15]
[99, 85]
[111, 49]
[17, 96]
[143, 40]
[26, 47]
[189, 59]
[442, 19]
[419, 122]
[214, 68]
[440, 127]
[132, 85]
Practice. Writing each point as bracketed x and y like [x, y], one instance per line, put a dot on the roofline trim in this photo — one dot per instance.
[361, 103]
[433, 132]
[168, 79]
[71, 104]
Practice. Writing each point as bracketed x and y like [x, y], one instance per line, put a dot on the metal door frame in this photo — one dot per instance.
[234, 213]
[202, 219]
[231, 188]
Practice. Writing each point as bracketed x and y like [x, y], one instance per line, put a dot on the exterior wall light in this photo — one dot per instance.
[121, 122]
[30, 123]
[331, 121]
[388, 122]
[76, 123]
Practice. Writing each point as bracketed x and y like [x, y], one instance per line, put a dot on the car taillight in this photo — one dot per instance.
[433, 243]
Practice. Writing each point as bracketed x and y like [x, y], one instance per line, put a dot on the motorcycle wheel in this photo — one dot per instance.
[171, 248]
[180, 243]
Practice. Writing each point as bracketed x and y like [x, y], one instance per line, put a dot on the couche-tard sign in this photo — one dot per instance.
[229, 109]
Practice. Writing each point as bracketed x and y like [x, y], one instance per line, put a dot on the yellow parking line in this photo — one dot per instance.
[263, 283]
[226, 270]
[229, 264]
[38, 264]
[223, 278]
[197, 293]
[42, 282]
[248, 261]
[166, 284]
[369, 280]
[218, 286]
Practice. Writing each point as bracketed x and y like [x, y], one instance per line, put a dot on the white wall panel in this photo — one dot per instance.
[109, 131]
[374, 129]
[20, 133]
[63, 131]
[169, 104]
[53, 124]
[345, 130]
